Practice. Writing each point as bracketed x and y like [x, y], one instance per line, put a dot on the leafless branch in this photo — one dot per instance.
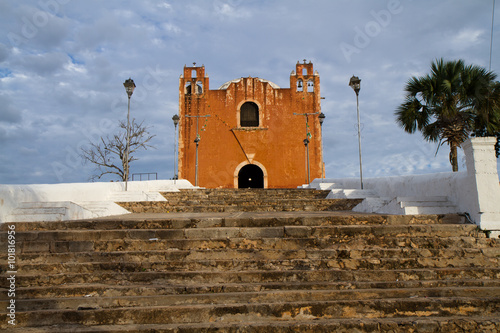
[108, 155]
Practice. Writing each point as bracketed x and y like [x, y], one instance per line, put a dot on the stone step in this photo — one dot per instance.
[219, 265]
[248, 254]
[238, 206]
[284, 244]
[48, 211]
[127, 196]
[372, 204]
[425, 204]
[237, 196]
[265, 312]
[439, 209]
[106, 290]
[326, 186]
[247, 202]
[333, 232]
[38, 211]
[423, 199]
[418, 205]
[102, 208]
[240, 219]
[450, 324]
[276, 296]
[255, 276]
[263, 193]
[351, 194]
[232, 196]
[296, 243]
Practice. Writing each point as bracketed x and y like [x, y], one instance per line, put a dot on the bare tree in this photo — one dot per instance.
[109, 155]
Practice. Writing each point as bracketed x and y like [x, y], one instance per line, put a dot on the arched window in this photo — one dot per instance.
[304, 71]
[249, 115]
[199, 87]
[188, 88]
[193, 73]
[300, 85]
[310, 86]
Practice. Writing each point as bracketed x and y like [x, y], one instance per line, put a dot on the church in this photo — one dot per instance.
[249, 132]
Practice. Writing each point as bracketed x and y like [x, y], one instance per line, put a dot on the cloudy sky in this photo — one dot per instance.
[63, 64]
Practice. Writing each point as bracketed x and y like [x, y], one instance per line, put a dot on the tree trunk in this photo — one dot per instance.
[454, 157]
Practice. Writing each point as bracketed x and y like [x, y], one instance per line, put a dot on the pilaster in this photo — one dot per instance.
[483, 181]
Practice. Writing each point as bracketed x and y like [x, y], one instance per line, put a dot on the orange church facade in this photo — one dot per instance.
[249, 132]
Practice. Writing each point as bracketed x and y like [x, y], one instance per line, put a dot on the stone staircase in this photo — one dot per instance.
[250, 262]
[230, 200]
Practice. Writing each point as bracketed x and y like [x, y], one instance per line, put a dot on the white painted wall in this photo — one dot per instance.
[475, 191]
[483, 201]
[12, 195]
[429, 185]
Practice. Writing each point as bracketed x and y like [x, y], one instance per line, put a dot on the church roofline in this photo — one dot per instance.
[228, 83]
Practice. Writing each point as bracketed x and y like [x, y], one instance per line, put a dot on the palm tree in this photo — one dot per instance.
[450, 104]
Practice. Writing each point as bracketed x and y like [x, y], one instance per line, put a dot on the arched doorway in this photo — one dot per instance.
[251, 176]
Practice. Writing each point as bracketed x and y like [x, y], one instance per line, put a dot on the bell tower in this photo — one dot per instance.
[304, 78]
[193, 88]
[193, 81]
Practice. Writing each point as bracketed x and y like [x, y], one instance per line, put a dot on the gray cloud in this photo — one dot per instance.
[4, 52]
[41, 64]
[62, 82]
[33, 26]
[105, 30]
[8, 113]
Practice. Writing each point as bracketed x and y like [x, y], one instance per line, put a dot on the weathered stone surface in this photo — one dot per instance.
[242, 271]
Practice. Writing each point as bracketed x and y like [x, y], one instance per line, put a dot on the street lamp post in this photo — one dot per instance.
[355, 84]
[129, 88]
[321, 120]
[175, 119]
[197, 141]
[306, 142]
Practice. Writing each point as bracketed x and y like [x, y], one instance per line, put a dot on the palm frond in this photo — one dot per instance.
[451, 103]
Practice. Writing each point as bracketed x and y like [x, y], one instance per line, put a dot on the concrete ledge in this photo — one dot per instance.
[55, 195]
